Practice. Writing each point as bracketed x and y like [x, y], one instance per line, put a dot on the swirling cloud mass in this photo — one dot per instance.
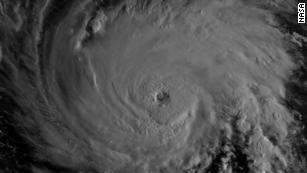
[156, 87]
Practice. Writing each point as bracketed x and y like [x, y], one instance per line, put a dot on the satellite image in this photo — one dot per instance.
[153, 86]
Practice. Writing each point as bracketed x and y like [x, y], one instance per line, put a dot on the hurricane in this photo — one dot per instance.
[128, 86]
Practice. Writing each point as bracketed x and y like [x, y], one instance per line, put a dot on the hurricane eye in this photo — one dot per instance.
[162, 97]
